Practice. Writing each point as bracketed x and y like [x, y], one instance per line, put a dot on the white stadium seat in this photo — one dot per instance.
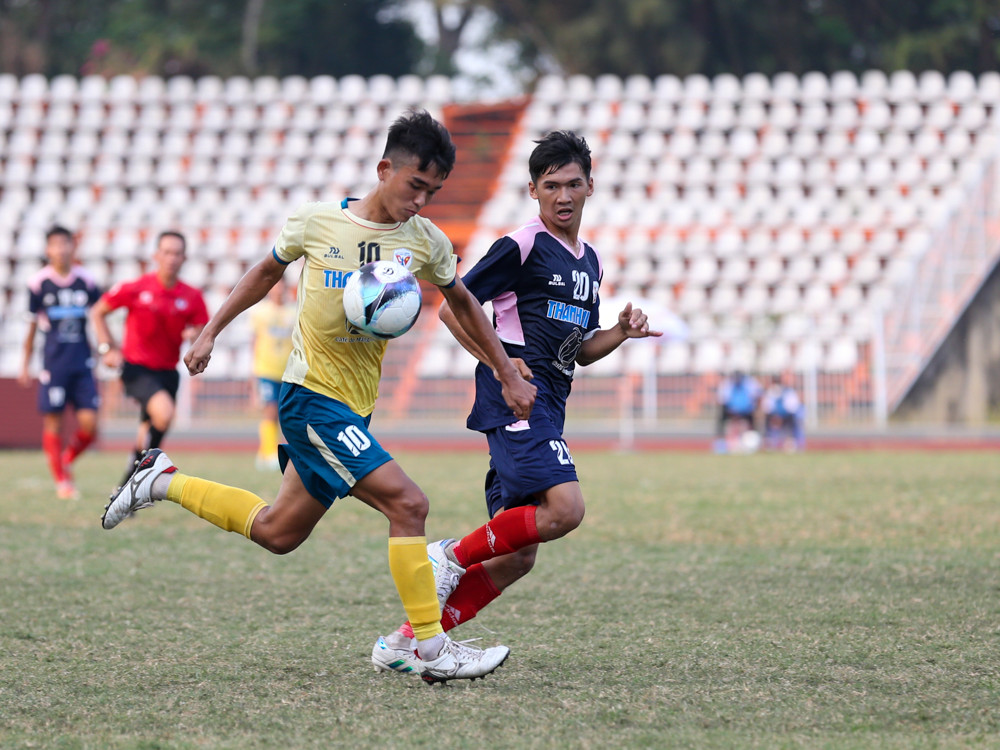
[709, 356]
[675, 358]
[841, 355]
[754, 197]
[932, 86]
[756, 88]
[151, 90]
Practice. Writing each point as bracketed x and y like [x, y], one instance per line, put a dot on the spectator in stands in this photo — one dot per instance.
[59, 296]
[783, 415]
[738, 397]
[331, 384]
[271, 321]
[162, 313]
[543, 282]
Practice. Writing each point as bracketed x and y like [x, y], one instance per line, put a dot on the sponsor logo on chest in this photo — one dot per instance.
[567, 313]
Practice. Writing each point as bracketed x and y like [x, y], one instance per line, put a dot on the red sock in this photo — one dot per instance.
[52, 445]
[473, 593]
[78, 445]
[507, 532]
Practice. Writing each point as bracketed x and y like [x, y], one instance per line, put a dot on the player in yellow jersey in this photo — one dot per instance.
[271, 321]
[331, 382]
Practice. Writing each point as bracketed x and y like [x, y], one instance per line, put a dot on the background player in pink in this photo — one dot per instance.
[543, 281]
[163, 312]
[58, 298]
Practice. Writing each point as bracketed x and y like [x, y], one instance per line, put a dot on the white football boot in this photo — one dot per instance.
[447, 572]
[136, 493]
[457, 661]
[396, 653]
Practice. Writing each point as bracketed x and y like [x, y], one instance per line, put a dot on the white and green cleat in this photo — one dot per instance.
[396, 653]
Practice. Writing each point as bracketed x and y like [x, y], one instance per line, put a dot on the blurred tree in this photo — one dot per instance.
[449, 33]
[195, 37]
[740, 36]
[312, 37]
[48, 36]
[309, 37]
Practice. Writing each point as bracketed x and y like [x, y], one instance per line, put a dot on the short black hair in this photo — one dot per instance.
[557, 149]
[172, 233]
[418, 134]
[57, 230]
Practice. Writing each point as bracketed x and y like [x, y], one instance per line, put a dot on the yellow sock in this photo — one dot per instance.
[229, 508]
[414, 579]
[267, 431]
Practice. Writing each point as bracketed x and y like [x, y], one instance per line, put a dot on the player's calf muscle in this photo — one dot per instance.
[276, 539]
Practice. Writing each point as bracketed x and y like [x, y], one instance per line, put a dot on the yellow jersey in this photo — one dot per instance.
[326, 357]
[272, 325]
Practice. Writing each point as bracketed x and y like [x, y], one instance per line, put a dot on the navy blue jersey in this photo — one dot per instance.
[545, 303]
[61, 304]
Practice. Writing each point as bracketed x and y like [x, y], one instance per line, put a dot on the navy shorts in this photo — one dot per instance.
[268, 390]
[329, 445]
[524, 460]
[56, 389]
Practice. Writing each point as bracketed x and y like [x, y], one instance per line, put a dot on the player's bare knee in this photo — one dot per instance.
[410, 506]
[161, 423]
[279, 544]
[574, 517]
[275, 540]
[558, 522]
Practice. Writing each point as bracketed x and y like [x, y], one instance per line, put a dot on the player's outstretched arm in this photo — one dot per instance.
[448, 318]
[518, 393]
[250, 290]
[632, 324]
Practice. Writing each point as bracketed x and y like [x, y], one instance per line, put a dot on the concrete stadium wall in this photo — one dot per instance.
[961, 384]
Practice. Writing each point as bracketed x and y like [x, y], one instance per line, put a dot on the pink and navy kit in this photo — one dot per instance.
[545, 303]
[61, 304]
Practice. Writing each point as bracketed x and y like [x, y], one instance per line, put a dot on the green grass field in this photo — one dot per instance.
[836, 600]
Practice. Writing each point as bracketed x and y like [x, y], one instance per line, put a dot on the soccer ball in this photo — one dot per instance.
[382, 299]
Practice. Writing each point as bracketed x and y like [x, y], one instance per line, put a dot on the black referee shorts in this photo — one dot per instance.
[142, 382]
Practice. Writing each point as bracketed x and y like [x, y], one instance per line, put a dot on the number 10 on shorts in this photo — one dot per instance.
[355, 440]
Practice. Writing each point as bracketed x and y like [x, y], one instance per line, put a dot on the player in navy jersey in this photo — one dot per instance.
[543, 281]
[59, 296]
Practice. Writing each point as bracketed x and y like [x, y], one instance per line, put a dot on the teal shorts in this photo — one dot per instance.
[329, 445]
[267, 391]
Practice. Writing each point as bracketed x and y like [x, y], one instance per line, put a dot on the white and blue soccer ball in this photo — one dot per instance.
[382, 299]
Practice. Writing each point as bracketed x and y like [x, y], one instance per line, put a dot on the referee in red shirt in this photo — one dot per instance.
[163, 312]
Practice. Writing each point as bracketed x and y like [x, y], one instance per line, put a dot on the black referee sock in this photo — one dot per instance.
[155, 437]
[136, 455]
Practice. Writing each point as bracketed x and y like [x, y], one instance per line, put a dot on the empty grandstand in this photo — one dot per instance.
[835, 226]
